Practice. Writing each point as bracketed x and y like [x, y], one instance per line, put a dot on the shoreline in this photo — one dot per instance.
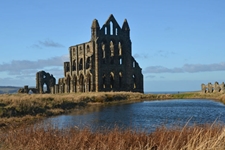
[18, 109]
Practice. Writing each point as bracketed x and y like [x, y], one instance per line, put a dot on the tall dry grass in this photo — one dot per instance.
[17, 105]
[14, 108]
[188, 138]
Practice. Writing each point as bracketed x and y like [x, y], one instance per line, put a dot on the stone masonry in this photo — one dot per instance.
[210, 88]
[105, 63]
[44, 82]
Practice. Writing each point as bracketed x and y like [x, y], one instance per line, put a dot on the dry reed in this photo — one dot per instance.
[188, 138]
[14, 108]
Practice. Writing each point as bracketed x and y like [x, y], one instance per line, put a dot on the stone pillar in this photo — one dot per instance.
[203, 88]
[26, 90]
[71, 86]
[210, 88]
[216, 87]
[66, 88]
[52, 89]
[56, 89]
[222, 86]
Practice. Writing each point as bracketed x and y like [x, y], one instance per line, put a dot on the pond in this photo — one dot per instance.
[146, 115]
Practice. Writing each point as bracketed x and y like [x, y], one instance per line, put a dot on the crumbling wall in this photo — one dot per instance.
[43, 78]
[213, 88]
[27, 90]
[105, 63]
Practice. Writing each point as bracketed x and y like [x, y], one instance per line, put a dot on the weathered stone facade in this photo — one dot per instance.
[44, 78]
[210, 88]
[105, 63]
[44, 84]
[27, 90]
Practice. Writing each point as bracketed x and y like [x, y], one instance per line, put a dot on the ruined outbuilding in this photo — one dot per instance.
[213, 88]
[44, 82]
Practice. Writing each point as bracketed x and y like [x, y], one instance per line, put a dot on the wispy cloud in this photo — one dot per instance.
[190, 68]
[150, 76]
[164, 54]
[145, 56]
[17, 67]
[161, 69]
[36, 46]
[50, 43]
[47, 43]
[23, 72]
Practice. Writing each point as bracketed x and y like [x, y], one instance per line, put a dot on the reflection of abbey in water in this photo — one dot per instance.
[105, 63]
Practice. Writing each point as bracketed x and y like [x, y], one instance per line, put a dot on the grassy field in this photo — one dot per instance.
[18, 108]
[19, 111]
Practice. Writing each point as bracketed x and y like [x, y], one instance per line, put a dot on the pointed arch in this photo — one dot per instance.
[105, 30]
[103, 46]
[68, 85]
[134, 81]
[111, 28]
[111, 48]
[88, 62]
[45, 88]
[120, 79]
[89, 79]
[74, 83]
[134, 64]
[121, 61]
[112, 52]
[104, 81]
[120, 48]
[81, 83]
[81, 64]
[111, 80]
[74, 65]
[88, 49]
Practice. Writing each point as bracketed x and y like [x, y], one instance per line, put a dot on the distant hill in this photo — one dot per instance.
[8, 89]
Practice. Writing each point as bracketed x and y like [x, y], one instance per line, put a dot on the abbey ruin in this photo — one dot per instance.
[212, 88]
[105, 63]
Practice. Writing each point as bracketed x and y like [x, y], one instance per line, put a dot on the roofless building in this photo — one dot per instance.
[105, 63]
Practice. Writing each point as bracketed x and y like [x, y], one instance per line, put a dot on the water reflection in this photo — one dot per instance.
[147, 115]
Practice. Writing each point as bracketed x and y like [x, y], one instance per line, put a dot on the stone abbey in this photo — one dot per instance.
[105, 63]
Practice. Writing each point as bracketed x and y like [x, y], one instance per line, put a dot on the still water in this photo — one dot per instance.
[146, 115]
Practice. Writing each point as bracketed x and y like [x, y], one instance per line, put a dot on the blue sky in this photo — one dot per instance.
[179, 44]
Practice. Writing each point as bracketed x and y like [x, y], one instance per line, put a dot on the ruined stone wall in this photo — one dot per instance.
[45, 83]
[105, 63]
[44, 79]
[213, 88]
[114, 60]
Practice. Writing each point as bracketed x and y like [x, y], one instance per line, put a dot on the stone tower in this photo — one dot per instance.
[105, 63]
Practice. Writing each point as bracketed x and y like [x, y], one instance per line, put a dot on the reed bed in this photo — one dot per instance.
[17, 108]
[48, 138]
[18, 105]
